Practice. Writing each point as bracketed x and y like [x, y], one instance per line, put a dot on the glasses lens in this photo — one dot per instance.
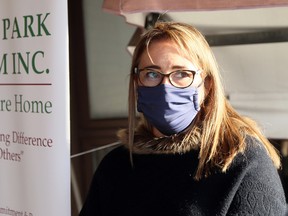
[181, 78]
[150, 78]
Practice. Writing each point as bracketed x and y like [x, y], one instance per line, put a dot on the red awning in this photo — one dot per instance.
[136, 6]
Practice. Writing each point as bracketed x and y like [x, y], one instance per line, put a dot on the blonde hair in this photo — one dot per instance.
[223, 130]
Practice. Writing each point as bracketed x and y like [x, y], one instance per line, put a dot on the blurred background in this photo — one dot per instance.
[250, 45]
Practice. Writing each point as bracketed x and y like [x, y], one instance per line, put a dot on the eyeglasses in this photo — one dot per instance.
[178, 78]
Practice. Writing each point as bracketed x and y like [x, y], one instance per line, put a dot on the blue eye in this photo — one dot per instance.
[152, 75]
[182, 74]
[149, 77]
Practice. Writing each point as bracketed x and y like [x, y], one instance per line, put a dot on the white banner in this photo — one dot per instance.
[34, 108]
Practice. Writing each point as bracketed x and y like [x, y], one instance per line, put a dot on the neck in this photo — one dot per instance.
[157, 133]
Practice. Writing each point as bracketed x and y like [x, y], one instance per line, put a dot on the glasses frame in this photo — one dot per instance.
[194, 72]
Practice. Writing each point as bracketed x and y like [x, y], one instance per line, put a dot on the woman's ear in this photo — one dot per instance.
[207, 84]
[203, 74]
[135, 79]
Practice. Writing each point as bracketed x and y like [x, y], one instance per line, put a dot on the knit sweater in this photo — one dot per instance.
[163, 184]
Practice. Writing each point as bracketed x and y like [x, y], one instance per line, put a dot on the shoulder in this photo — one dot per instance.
[260, 189]
[115, 164]
[256, 164]
[254, 154]
[116, 158]
[104, 180]
[117, 153]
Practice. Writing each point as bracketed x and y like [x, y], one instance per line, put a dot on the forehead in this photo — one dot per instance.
[165, 54]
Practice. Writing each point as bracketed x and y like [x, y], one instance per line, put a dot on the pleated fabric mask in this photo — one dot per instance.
[169, 109]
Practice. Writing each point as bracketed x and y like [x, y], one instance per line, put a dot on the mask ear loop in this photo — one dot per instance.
[198, 72]
[196, 95]
[196, 100]
[135, 74]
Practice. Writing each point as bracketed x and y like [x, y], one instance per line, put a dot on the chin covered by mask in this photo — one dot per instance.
[169, 109]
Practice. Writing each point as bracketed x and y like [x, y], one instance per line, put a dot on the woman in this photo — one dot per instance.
[191, 153]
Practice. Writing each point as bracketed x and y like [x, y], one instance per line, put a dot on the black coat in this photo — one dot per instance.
[163, 184]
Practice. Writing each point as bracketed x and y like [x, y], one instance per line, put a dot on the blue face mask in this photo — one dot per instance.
[169, 109]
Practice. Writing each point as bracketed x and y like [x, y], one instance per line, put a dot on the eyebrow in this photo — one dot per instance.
[159, 68]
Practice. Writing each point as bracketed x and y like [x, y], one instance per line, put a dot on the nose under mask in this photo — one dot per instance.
[171, 110]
